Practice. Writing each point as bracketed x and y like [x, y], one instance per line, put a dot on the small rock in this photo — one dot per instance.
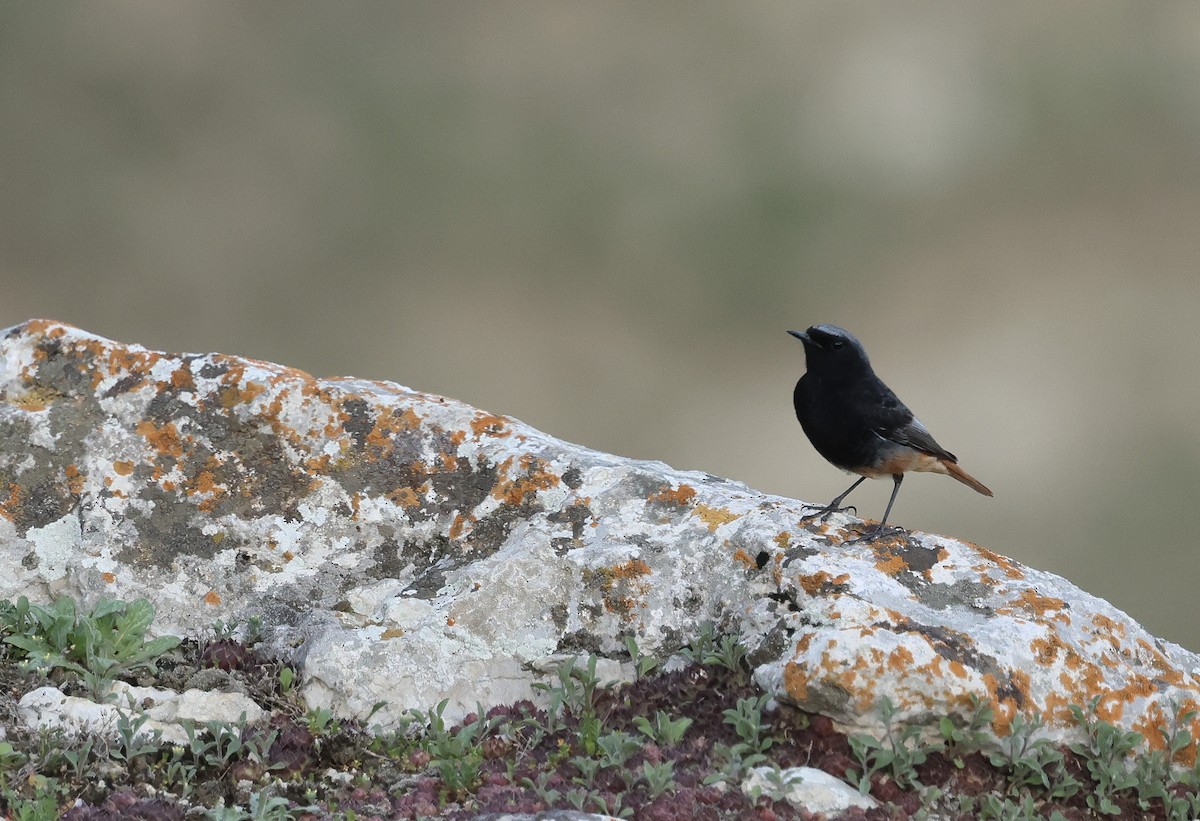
[806, 788]
[51, 708]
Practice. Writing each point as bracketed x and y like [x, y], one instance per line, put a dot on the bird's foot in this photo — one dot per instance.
[870, 534]
[826, 510]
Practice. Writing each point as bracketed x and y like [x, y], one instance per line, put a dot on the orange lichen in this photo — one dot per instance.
[163, 438]
[900, 659]
[632, 569]
[893, 565]
[123, 468]
[796, 681]
[514, 491]
[490, 425]
[10, 507]
[1007, 565]
[680, 496]
[1045, 650]
[203, 482]
[108, 578]
[745, 558]
[1107, 625]
[456, 527]
[623, 585]
[406, 496]
[821, 581]
[409, 419]
[211, 598]
[391, 633]
[783, 539]
[230, 396]
[1033, 602]
[182, 379]
[714, 517]
[74, 479]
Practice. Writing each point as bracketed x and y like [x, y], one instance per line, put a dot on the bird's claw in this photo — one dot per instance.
[827, 510]
[870, 534]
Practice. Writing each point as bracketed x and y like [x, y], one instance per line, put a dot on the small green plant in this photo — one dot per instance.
[726, 651]
[960, 741]
[542, 788]
[588, 768]
[219, 745]
[457, 756]
[42, 807]
[320, 721]
[1152, 770]
[1002, 808]
[664, 730]
[286, 678]
[261, 807]
[575, 694]
[777, 787]
[1033, 762]
[106, 642]
[746, 720]
[616, 748]
[131, 742]
[10, 758]
[1106, 749]
[750, 751]
[658, 778]
[900, 752]
[642, 664]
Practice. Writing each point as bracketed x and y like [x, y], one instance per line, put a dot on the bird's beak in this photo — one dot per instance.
[803, 337]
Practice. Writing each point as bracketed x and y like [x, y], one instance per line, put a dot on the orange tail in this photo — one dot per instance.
[966, 478]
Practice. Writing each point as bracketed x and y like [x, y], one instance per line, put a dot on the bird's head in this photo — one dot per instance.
[830, 350]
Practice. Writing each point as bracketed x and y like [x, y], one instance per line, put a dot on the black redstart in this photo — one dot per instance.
[858, 424]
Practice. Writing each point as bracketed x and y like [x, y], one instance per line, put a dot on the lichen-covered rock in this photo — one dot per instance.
[405, 548]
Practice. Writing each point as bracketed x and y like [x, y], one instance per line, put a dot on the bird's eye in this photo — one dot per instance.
[837, 343]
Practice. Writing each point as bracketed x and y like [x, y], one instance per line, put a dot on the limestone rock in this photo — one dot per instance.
[404, 547]
[806, 788]
[49, 708]
[166, 710]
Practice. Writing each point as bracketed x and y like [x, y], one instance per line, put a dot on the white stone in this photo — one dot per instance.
[48, 708]
[806, 788]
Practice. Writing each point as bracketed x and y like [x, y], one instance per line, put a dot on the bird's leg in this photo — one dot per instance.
[882, 528]
[832, 507]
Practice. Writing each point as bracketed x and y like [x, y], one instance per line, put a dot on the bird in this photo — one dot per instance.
[858, 424]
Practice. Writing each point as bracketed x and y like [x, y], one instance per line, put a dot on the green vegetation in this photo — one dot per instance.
[100, 645]
[668, 745]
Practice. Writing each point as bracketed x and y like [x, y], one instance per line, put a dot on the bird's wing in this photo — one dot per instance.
[897, 424]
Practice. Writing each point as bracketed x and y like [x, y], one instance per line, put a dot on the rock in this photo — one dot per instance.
[168, 709]
[50, 708]
[806, 788]
[406, 548]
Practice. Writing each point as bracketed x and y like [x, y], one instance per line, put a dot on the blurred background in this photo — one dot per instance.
[602, 218]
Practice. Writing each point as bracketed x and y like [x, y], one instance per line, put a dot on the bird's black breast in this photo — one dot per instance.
[845, 421]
